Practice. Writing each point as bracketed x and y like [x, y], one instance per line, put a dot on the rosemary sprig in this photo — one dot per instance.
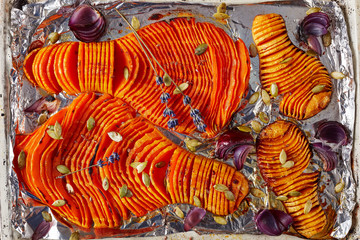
[173, 122]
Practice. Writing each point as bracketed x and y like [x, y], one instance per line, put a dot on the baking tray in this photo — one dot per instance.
[351, 11]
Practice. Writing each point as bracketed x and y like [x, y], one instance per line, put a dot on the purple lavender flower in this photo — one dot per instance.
[168, 112]
[159, 80]
[164, 97]
[172, 123]
[186, 100]
[194, 112]
[201, 127]
[101, 163]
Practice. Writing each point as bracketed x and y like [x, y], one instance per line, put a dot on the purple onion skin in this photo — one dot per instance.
[331, 132]
[318, 17]
[194, 216]
[327, 156]
[230, 140]
[240, 155]
[314, 44]
[273, 222]
[41, 230]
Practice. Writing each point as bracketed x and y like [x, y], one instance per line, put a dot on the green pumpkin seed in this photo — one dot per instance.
[123, 190]
[221, 16]
[307, 207]
[256, 126]
[146, 179]
[339, 187]
[46, 216]
[254, 98]
[326, 39]
[311, 53]
[286, 60]
[167, 80]
[53, 135]
[21, 160]
[220, 187]
[243, 128]
[253, 50]
[90, 124]
[294, 194]
[313, 10]
[178, 212]
[63, 169]
[288, 164]
[160, 164]
[283, 157]
[126, 73]
[59, 203]
[115, 136]
[129, 194]
[135, 23]
[265, 97]
[220, 220]
[197, 202]
[42, 118]
[264, 117]
[318, 88]
[257, 193]
[135, 164]
[201, 48]
[141, 166]
[181, 88]
[274, 90]
[221, 8]
[69, 188]
[51, 127]
[229, 196]
[54, 37]
[57, 128]
[105, 184]
[281, 198]
[192, 144]
[337, 75]
[75, 236]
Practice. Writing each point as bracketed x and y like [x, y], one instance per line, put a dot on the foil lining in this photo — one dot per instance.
[34, 23]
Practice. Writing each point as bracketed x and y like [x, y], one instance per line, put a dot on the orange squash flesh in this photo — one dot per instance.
[283, 135]
[295, 78]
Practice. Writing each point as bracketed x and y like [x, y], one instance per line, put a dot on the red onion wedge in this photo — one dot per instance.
[318, 17]
[314, 44]
[315, 29]
[240, 155]
[327, 156]
[41, 230]
[193, 218]
[273, 222]
[331, 132]
[48, 103]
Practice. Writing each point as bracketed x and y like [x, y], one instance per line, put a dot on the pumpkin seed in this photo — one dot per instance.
[42, 118]
[197, 201]
[256, 126]
[59, 203]
[135, 23]
[63, 169]
[220, 220]
[281, 198]
[146, 179]
[69, 188]
[141, 166]
[221, 16]
[135, 164]
[192, 144]
[337, 75]
[129, 194]
[318, 88]
[339, 187]
[311, 53]
[307, 207]
[160, 164]
[57, 129]
[201, 48]
[126, 73]
[264, 117]
[282, 157]
[53, 37]
[326, 39]
[21, 160]
[229, 196]
[257, 193]
[46, 216]
[221, 8]
[313, 10]
[167, 80]
[51, 127]
[90, 124]
[53, 135]
[181, 88]
[75, 236]
[288, 164]
[254, 98]
[123, 190]
[220, 187]
[265, 97]
[243, 128]
[115, 136]
[178, 212]
[286, 60]
[253, 50]
[294, 194]
[105, 184]
[274, 90]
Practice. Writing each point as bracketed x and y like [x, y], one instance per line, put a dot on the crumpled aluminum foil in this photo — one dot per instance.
[25, 29]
